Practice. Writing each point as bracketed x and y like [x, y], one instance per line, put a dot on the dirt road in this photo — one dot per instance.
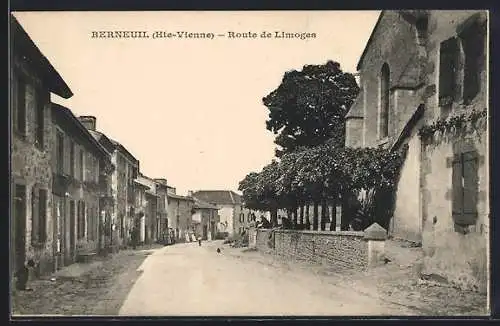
[188, 280]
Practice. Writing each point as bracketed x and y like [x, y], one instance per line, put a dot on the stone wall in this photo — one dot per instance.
[341, 250]
[460, 258]
[30, 165]
[394, 42]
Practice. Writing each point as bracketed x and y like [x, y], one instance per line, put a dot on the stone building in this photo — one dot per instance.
[230, 208]
[180, 211]
[32, 79]
[150, 218]
[205, 219]
[423, 77]
[106, 203]
[163, 230]
[80, 167]
[126, 170]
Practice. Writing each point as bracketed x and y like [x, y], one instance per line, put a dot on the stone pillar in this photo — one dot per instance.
[252, 237]
[338, 217]
[376, 236]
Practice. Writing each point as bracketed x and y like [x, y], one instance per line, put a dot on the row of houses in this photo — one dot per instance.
[75, 190]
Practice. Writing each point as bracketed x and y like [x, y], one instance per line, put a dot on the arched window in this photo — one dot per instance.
[384, 101]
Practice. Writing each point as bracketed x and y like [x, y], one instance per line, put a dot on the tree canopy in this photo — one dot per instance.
[309, 106]
[321, 172]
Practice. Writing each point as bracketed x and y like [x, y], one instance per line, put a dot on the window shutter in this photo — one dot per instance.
[470, 179]
[457, 198]
[34, 216]
[42, 228]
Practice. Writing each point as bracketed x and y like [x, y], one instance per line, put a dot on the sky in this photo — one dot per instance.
[190, 109]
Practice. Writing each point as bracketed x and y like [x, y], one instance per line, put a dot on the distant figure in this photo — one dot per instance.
[23, 275]
[199, 241]
[218, 250]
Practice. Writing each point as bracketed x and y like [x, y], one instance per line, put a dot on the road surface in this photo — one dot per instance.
[188, 280]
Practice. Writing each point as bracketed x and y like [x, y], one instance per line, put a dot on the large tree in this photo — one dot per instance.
[309, 106]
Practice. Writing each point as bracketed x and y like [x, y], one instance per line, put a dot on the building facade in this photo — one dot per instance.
[205, 219]
[424, 80]
[126, 170]
[180, 210]
[230, 209]
[32, 79]
[80, 168]
[163, 230]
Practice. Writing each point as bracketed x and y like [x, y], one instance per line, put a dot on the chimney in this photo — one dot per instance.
[190, 193]
[88, 121]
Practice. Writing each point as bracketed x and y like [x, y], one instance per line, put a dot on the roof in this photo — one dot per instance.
[122, 149]
[219, 197]
[103, 140]
[203, 205]
[22, 43]
[69, 119]
[419, 111]
[370, 39]
[174, 196]
[356, 110]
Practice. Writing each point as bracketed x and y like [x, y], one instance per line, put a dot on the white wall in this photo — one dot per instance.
[407, 220]
[226, 215]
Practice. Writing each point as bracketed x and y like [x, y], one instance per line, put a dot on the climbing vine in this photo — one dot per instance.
[464, 123]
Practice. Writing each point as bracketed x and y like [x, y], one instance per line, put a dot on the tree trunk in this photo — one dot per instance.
[324, 214]
[274, 217]
[333, 217]
[301, 218]
[293, 220]
[308, 217]
[347, 212]
[315, 216]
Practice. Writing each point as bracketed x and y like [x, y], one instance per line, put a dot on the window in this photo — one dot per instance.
[39, 118]
[465, 188]
[242, 217]
[473, 44]
[448, 72]
[60, 152]
[384, 101]
[20, 112]
[82, 165]
[72, 159]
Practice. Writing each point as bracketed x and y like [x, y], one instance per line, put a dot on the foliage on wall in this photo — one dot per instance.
[460, 125]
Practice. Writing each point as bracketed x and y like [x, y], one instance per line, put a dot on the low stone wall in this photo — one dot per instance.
[338, 249]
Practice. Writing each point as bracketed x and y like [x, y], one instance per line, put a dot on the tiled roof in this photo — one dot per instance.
[174, 196]
[202, 204]
[219, 197]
